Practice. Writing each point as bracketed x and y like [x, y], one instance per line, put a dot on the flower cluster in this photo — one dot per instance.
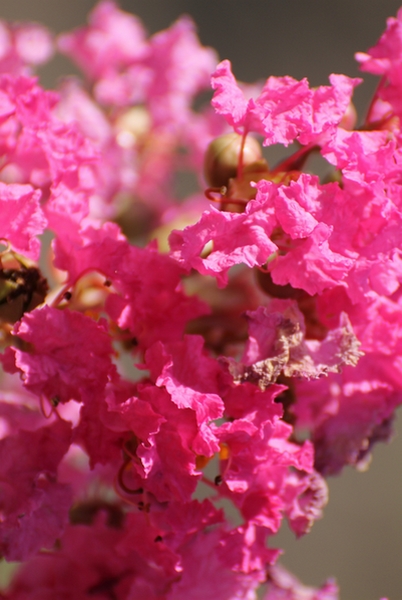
[165, 357]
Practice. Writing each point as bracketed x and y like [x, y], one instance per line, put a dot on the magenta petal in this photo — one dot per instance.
[34, 505]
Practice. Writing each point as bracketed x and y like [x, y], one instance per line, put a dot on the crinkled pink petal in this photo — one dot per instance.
[22, 219]
[205, 576]
[306, 496]
[246, 399]
[167, 456]
[179, 68]
[150, 301]
[311, 265]
[71, 361]
[245, 549]
[112, 39]
[80, 250]
[359, 151]
[34, 506]
[191, 378]
[213, 561]
[386, 274]
[167, 467]
[289, 109]
[237, 238]
[45, 152]
[329, 104]
[285, 109]
[257, 475]
[147, 297]
[102, 558]
[388, 50]
[230, 101]
[102, 444]
[138, 416]
[33, 104]
[292, 216]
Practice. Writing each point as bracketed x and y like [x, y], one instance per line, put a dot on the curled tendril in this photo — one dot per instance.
[120, 480]
[218, 194]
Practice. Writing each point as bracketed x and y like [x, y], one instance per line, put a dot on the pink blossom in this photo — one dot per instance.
[246, 237]
[34, 505]
[101, 443]
[255, 473]
[152, 304]
[385, 59]
[112, 40]
[71, 361]
[191, 378]
[250, 384]
[166, 465]
[42, 151]
[210, 561]
[179, 67]
[150, 307]
[237, 238]
[286, 109]
[97, 556]
[23, 46]
[22, 218]
[230, 101]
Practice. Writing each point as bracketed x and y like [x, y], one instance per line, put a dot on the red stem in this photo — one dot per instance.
[296, 160]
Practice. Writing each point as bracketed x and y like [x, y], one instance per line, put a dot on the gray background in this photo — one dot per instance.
[359, 541]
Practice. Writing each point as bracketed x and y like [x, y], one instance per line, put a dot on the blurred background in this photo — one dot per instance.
[359, 541]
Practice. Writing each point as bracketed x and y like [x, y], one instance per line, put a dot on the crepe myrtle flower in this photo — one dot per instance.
[146, 384]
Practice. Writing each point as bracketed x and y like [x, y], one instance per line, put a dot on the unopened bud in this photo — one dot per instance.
[223, 156]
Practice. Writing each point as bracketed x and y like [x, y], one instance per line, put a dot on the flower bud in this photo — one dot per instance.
[223, 156]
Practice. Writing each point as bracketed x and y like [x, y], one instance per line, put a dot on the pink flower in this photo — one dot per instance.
[285, 109]
[71, 362]
[237, 238]
[34, 506]
[44, 152]
[385, 59]
[23, 46]
[296, 328]
[192, 380]
[22, 218]
[112, 40]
